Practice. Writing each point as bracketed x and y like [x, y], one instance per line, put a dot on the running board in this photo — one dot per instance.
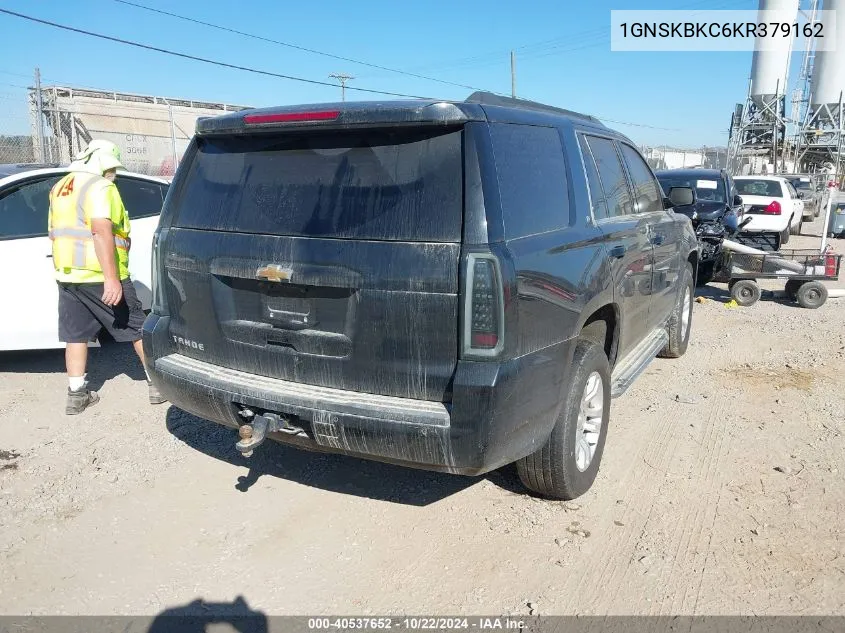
[627, 369]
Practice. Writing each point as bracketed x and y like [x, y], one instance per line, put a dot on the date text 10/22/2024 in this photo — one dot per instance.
[415, 624]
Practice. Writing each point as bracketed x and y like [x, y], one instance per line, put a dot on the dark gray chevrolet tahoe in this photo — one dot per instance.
[451, 286]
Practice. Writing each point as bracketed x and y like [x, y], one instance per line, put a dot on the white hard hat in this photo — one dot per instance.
[98, 157]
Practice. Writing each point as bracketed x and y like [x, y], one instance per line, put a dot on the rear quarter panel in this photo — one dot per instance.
[553, 281]
[561, 278]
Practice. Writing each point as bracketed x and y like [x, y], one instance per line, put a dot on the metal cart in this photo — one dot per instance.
[803, 270]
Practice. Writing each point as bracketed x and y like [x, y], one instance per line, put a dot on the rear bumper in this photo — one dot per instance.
[494, 418]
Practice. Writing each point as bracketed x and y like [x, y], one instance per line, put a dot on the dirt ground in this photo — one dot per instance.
[721, 492]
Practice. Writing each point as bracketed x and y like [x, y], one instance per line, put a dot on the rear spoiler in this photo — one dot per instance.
[345, 115]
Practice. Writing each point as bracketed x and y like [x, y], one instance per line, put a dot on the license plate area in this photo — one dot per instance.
[287, 306]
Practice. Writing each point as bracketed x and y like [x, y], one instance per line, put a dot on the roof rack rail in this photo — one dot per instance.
[489, 98]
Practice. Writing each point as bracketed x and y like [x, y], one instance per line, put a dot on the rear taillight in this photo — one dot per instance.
[830, 265]
[484, 314]
[773, 208]
[291, 117]
[159, 305]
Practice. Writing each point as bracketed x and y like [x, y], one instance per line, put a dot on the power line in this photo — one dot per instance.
[6, 72]
[293, 46]
[258, 71]
[204, 60]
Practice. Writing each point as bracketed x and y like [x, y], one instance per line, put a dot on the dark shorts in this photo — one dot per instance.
[82, 313]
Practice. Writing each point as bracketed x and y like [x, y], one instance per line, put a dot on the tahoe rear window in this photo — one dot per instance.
[404, 184]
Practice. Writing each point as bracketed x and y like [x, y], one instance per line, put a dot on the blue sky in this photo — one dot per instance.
[562, 48]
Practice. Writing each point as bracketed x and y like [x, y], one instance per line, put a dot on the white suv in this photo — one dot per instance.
[773, 205]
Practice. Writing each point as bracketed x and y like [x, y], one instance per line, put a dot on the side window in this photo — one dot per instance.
[533, 185]
[612, 176]
[141, 198]
[791, 189]
[647, 196]
[24, 208]
[597, 197]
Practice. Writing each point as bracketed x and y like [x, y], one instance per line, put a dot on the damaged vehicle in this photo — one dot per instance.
[453, 286]
[715, 213]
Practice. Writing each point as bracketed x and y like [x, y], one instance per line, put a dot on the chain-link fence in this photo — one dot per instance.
[152, 132]
[16, 148]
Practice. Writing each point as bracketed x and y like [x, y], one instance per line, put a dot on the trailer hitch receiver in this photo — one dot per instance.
[253, 433]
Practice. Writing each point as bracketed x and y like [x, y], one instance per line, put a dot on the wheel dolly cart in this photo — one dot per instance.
[803, 270]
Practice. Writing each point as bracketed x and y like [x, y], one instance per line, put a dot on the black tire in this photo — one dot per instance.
[812, 295]
[552, 471]
[745, 292]
[796, 230]
[705, 274]
[784, 236]
[791, 288]
[678, 336]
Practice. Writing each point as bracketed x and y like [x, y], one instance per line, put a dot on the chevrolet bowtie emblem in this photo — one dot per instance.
[273, 272]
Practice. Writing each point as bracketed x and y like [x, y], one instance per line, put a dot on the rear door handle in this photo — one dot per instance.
[618, 252]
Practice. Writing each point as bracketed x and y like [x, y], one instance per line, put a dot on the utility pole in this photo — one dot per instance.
[172, 136]
[342, 79]
[39, 117]
[513, 75]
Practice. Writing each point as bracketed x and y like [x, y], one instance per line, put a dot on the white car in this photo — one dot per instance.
[29, 319]
[772, 204]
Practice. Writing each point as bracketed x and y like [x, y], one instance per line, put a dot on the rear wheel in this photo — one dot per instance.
[784, 236]
[812, 295]
[796, 230]
[745, 292]
[680, 321]
[566, 466]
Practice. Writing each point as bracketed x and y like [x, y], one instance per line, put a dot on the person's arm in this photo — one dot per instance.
[100, 212]
[104, 247]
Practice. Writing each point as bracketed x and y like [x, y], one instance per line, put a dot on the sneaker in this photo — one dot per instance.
[155, 394]
[78, 401]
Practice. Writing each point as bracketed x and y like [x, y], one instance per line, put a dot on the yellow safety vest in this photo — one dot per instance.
[73, 201]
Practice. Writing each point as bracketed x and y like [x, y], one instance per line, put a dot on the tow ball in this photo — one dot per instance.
[253, 433]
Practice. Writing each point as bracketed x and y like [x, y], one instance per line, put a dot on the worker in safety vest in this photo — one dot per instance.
[89, 228]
